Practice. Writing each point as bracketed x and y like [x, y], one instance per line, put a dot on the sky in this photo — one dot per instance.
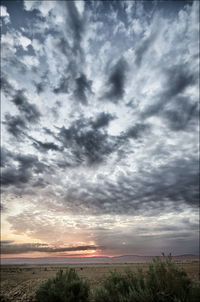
[99, 122]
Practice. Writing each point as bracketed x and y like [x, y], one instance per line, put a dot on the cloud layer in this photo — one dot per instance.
[99, 119]
[12, 248]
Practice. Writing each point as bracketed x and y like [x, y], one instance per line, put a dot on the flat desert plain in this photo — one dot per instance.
[19, 282]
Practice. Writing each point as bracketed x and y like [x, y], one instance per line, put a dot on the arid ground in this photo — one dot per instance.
[19, 282]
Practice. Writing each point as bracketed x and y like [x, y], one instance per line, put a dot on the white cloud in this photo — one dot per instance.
[43, 6]
[5, 15]
[30, 5]
[15, 38]
[30, 61]
[24, 41]
[137, 26]
[37, 46]
[8, 38]
[80, 5]
[4, 12]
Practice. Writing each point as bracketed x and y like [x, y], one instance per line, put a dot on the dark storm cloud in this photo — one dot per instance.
[89, 143]
[29, 111]
[146, 193]
[83, 85]
[15, 125]
[27, 166]
[12, 176]
[116, 81]
[102, 120]
[137, 130]
[30, 162]
[89, 146]
[10, 248]
[45, 146]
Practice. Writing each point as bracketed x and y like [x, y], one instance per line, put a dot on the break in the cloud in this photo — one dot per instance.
[100, 127]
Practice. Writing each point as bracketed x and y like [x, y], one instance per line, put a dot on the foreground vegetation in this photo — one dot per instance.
[164, 281]
[67, 286]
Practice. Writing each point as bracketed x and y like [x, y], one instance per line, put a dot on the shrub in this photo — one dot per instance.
[115, 288]
[163, 282]
[64, 287]
[167, 281]
[194, 295]
[127, 287]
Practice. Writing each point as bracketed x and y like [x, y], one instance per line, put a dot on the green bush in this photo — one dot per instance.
[194, 295]
[163, 282]
[115, 288]
[64, 287]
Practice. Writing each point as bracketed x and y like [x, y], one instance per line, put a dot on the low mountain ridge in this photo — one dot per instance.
[95, 260]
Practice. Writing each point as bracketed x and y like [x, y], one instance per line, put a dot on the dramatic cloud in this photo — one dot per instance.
[30, 111]
[6, 86]
[21, 169]
[116, 81]
[90, 146]
[100, 127]
[103, 120]
[153, 191]
[82, 87]
[7, 247]
[43, 147]
[15, 125]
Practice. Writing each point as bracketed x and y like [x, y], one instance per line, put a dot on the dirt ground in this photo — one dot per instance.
[19, 283]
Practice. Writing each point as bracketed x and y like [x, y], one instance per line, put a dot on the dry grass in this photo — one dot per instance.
[18, 283]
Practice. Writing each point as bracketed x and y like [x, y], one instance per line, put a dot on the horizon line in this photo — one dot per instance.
[93, 257]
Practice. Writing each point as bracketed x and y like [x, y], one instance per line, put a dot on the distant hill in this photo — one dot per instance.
[92, 260]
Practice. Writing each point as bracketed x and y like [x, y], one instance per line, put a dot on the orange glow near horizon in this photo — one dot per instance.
[49, 255]
[75, 254]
